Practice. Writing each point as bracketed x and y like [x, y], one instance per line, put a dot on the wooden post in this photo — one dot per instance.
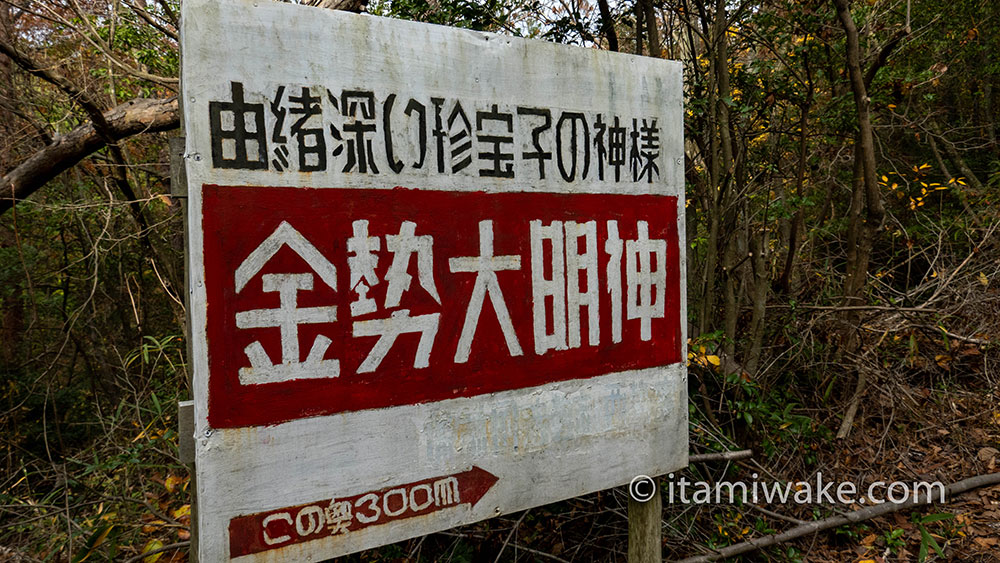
[644, 526]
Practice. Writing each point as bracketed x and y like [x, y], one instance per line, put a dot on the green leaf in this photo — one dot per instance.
[937, 517]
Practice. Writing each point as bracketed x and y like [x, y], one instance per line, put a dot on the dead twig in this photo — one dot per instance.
[953, 336]
[776, 515]
[721, 456]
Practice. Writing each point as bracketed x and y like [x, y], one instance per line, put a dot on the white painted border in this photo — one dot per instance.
[244, 471]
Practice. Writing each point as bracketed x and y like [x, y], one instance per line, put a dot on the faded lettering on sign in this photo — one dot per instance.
[265, 531]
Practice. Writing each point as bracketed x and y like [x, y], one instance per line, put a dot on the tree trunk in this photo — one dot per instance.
[652, 30]
[608, 25]
[864, 226]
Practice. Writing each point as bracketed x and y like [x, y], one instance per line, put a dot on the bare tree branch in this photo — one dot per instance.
[131, 118]
[31, 66]
[93, 37]
[146, 17]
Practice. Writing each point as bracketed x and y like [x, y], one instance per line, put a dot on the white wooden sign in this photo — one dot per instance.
[436, 275]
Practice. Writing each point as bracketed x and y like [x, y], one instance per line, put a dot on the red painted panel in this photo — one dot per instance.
[238, 219]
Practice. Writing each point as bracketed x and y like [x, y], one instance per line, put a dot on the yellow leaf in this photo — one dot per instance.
[983, 279]
[173, 482]
[924, 165]
[141, 434]
[95, 542]
[714, 360]
[182, 511]
[103, 536]
[892, 106]
[885, 178]
[152, 545]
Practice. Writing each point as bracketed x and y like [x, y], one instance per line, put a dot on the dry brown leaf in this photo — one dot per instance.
[985, 454]
[985, 543]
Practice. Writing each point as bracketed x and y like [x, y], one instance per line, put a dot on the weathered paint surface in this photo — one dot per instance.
[256, 533]
[436, 275]
[568, 317]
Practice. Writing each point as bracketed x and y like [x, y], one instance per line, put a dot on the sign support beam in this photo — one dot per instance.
[645, 528]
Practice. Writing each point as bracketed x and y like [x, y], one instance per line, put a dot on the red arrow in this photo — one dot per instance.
[277, 529]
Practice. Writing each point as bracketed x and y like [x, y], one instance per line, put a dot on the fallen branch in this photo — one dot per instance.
[841, 520]
[126, 120]
[721, 456]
